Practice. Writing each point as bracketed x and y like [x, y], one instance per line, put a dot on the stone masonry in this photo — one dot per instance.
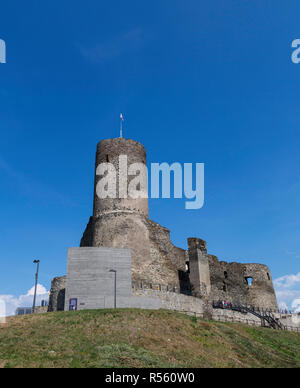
[193, 273]
[57, 294]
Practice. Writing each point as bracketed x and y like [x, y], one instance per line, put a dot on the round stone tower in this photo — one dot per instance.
[121, 153]
[122, 221]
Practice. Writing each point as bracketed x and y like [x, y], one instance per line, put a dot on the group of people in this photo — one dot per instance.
[224, 304]
[284, 312]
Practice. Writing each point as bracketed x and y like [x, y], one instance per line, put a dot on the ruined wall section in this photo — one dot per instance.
[261, 292]
[57, 294]
[124, 223]
[154, 258]
[199, 271]
[242, 284]
[178, 302]
[167, 260]
[227, 281]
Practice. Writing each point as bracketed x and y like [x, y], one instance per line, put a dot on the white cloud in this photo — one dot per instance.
[26, 300]
[40, 290]
[288, 291]
[287, 281]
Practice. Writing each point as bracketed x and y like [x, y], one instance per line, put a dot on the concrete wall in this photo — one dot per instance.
[90, 282]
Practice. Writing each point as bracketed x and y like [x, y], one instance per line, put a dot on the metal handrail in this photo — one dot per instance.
[264, 316]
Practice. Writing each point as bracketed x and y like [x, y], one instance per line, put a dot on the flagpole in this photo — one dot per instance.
[121, 125]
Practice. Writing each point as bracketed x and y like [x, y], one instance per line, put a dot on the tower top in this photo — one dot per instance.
[110, 151]
[121, 125]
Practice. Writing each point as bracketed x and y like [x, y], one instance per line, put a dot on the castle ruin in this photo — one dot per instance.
[180, 278]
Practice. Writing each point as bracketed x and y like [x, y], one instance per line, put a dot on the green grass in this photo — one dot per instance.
[141, 338]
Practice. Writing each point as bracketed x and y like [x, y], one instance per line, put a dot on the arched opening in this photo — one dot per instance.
[187, 266]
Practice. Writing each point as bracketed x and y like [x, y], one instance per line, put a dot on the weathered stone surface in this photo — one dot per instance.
[41, 309]
[229, 282]
[235, 316]
[57, 294]
[109, 151]
[124, 223]
[290, 320]
[176, 302]
[199, 268]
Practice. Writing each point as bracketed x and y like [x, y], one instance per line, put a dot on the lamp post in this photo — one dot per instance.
[115, 288]
[36, 283]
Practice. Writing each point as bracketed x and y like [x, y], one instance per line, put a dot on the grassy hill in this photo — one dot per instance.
[141, 338]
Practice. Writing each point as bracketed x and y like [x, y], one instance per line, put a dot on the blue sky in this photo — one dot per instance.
[197, 81]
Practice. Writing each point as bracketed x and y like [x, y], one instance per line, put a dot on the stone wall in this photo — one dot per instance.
[125, 230]
[290, 320]
[57, 294]
[235, 316]
[156, 260]
[124, 223]
[41, 309]
[154, 257]
[177, 302]
[231, 282]
[109, 151]
[199, 271]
